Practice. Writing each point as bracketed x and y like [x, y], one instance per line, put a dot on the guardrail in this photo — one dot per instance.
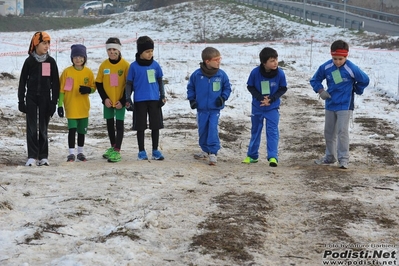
[304, 14]
[379, 15]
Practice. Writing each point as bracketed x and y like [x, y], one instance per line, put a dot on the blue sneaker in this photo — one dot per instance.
[142, 156]
[157, 155]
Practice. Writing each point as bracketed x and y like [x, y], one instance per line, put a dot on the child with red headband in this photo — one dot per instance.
[343, 79]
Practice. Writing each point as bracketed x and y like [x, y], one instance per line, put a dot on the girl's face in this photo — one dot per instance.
[271, 64]
[214, 62]
[113, 53]
[339, 60]
[78, 61]
[147, 54]
[42, 48]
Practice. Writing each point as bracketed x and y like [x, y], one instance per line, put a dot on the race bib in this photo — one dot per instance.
[265, 85]
[68, 84]
[151, 75]
[46, 69]
[114, 80]
[216, 86]
[336, 76]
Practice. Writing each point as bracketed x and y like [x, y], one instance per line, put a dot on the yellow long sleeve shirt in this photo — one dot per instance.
[113, 77]
[76, 105]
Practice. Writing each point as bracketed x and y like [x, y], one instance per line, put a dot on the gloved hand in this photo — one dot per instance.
[60, 111]
[52, 107]
[193, 104]
[324, 95]
[161, 102]
[22, 107]
[129, 103]
[84, 90]
[219, 101]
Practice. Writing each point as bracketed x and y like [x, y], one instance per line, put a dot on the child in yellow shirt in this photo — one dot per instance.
[77, 82]
[110, 83]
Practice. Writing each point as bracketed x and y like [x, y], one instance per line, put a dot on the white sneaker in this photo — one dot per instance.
[200, 155]
[213, 159]
[343, 165]
[43, 162]
[30, 162]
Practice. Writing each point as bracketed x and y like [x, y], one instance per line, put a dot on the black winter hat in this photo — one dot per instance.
[144, 43]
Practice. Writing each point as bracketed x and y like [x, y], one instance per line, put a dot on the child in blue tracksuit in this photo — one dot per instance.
[207, 90]
[343, 79]
[267, 84]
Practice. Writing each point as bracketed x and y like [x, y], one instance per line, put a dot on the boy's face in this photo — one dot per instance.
[147, 54]
[213, 62]
[113, 53]
[339, 60]
[42, 48]
[271, 64]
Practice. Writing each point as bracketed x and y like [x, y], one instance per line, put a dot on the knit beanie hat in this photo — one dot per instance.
[78, 50]
[37, 38]
[142, 46]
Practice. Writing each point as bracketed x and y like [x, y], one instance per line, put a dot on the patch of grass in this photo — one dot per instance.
[26, 23]
[5, 205]
[383, 152]
[235, 228]
[120, 232]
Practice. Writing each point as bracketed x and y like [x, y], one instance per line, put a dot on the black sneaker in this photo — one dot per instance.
[81, 157]
[71, 158]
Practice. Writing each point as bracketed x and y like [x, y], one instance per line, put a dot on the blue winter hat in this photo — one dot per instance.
[78, 50]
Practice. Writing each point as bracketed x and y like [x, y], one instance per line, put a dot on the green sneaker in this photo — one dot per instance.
[114, 157]
[273, 162]
[249, 160]
[108, 153]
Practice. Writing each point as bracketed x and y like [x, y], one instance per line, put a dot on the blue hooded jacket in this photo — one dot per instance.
[342, 84]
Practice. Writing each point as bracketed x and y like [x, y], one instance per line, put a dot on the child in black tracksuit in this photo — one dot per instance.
[38, 91]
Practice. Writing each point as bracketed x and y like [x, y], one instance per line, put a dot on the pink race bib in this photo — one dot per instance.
[46, 69]
[114, 80]
[68, 84]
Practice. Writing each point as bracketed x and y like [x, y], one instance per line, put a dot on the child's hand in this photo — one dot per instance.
[219, 101]
[84, 90]
[118, 105]
[108, 103]
[193, 104]
[22, 107]
[161, 102]
[324, 94]
[60, 111]
[265, 101]
[129, 105]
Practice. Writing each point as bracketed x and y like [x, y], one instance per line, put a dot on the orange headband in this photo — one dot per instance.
[340, 52]
[37, 38]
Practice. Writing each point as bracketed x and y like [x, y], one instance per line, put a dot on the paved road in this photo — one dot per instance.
[369, 24]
